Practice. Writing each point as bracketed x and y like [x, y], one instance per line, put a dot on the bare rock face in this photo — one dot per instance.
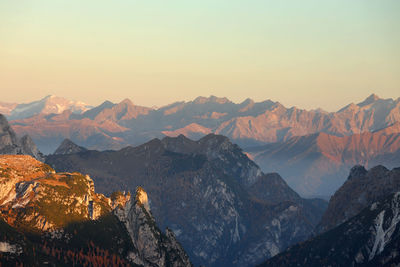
[10, 144]
[37, 197]
[8, 138]
[154, 247]
[371, 238]
[68, 216]
[29, 148]
[361, 189]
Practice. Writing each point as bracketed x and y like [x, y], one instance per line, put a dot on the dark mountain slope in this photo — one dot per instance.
[361, 189]
[371, 238]
[222, 208]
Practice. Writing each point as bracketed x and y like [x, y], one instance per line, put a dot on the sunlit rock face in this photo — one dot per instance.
[34, 194]
[141, 198]
[67, 215]
[154, 247]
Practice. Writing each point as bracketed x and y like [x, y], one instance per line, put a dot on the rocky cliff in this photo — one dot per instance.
[10, 144]
[361, 189]
[58, 217]
[219, 204]
[371, 238]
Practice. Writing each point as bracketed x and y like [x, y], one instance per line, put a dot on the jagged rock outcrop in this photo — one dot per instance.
[10, 144]
[361, 189]
[222, 208]
[154, 247]
[371, 238]
[68, 217]
[68, 147]
[38, 198]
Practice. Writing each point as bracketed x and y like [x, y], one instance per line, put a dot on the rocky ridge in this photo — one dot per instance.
[361, 189]
[66, 215]
[10, 144]
[371, 238]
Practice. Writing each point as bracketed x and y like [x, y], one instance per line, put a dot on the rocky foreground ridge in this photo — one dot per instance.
[49, 217]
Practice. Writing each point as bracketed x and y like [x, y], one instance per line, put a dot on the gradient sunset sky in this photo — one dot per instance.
[305, 53]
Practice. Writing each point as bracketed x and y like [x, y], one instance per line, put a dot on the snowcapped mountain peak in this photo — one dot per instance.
[50, 104]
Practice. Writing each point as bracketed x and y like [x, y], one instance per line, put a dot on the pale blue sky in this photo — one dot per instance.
[304, 53]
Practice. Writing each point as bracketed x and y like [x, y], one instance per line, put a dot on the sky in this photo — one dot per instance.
[308, 53]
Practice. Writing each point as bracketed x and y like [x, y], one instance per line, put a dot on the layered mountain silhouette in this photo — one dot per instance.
[222, 208]
[361, 226]
[316, 164]
[113, 126]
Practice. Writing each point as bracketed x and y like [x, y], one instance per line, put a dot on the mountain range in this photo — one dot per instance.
[112, 126]
[223, 209]
[312, 149]
[316, 164]
[217, 202]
